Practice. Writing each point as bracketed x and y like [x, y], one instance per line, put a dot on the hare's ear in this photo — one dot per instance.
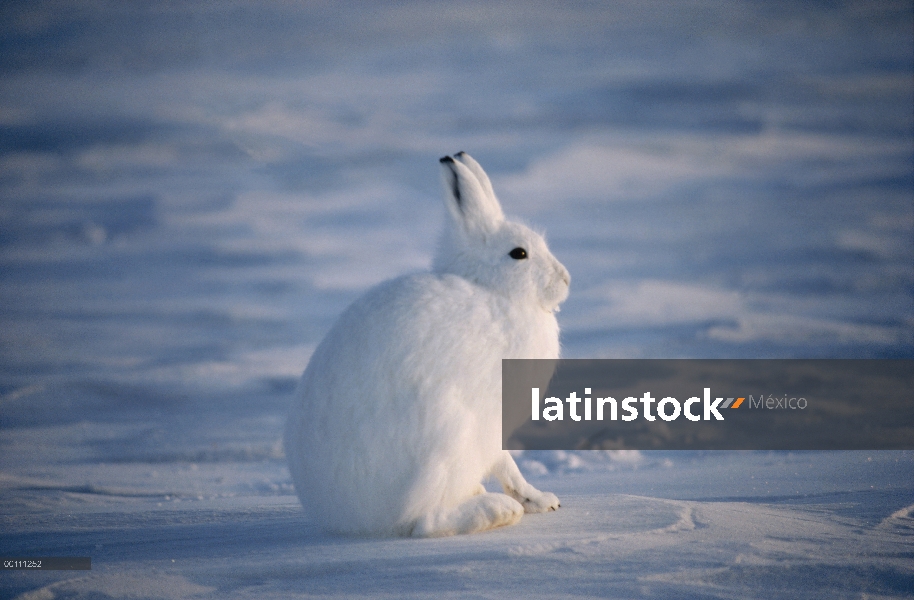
[469, 197]
[481, 176]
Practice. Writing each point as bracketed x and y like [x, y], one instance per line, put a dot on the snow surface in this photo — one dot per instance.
[191, 193]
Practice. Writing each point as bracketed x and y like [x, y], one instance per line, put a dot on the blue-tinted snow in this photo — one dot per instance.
[190, 194]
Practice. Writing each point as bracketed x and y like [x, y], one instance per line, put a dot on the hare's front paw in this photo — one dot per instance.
[535, 501]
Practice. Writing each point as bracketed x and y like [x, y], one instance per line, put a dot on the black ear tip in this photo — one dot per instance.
[445, 160]
[461, 153]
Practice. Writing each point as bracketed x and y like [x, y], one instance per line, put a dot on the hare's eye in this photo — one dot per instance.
[518, 254]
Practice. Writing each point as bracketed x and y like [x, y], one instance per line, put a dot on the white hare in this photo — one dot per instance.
[397, 419]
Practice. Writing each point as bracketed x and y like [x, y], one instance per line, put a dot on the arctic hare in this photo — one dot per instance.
[397, 419]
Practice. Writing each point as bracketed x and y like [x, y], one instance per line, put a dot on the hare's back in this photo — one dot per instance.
[425, 322]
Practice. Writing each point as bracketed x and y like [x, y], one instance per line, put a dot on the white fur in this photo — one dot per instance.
[398, 415]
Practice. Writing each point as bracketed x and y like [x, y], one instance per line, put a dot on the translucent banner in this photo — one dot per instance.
[708, 404]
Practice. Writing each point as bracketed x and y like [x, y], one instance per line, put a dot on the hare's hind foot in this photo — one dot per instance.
[483, 511]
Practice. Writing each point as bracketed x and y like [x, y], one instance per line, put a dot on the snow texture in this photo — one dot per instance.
[191, 193]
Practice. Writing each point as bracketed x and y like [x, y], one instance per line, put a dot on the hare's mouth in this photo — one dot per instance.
[554, 298]
[552, 305]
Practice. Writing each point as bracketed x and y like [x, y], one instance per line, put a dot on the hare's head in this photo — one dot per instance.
[481, 246]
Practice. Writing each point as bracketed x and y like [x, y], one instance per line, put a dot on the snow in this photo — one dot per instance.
[189, 195]
[669, 525]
